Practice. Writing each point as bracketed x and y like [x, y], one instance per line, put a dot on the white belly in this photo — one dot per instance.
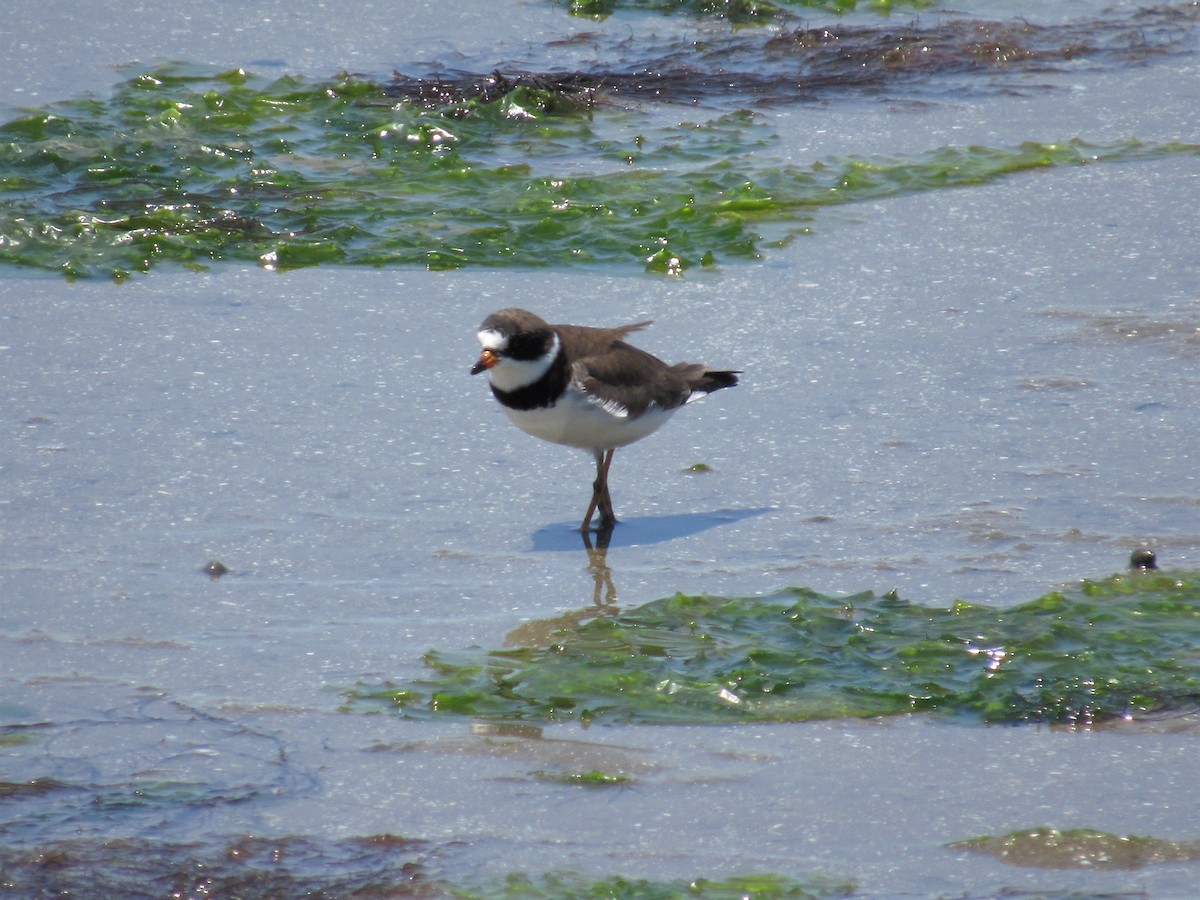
[578, 422]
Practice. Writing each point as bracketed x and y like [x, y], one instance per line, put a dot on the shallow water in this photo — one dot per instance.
[980, 393]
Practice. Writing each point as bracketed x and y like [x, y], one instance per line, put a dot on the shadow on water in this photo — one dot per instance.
[642, 531]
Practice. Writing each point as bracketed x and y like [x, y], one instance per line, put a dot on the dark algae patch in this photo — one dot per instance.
[723, 70]
[245, 867]
[192, 166]
[739, 10]
[1126, 647]
[374, 866]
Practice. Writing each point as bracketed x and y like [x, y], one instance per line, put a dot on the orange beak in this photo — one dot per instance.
[487, 359]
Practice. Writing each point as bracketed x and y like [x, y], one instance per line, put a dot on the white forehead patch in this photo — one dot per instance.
[492, 340]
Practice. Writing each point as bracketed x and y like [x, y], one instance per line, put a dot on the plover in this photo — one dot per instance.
[585, 387]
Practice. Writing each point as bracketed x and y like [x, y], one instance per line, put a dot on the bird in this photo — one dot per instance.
[586, 387]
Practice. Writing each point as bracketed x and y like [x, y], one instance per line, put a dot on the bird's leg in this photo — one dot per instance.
[601, 499]
[607, 517]
[587, 517]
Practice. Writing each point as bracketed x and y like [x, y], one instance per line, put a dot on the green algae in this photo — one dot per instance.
[191, 166]
[1125, 647]
[592, 779]
[567, 884]
[1079, 848]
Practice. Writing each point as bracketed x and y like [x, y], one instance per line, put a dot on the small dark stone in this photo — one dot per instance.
[215, 569]
[1143, 558]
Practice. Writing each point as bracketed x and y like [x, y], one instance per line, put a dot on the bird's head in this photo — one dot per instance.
[518, 348]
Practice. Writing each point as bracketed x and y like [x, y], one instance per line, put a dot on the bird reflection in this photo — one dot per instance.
[598, 566]
[540, 632]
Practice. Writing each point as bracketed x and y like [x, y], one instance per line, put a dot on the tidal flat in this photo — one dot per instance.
[291, 609]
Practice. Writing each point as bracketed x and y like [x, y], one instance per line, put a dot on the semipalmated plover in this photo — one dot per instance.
[585, 387]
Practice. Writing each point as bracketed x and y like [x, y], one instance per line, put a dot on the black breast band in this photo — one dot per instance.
[542, 393]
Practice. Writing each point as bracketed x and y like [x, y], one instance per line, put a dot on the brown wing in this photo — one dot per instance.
[631, 379]
[618, 374]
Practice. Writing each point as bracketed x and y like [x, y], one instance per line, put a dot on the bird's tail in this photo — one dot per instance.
[703, 380]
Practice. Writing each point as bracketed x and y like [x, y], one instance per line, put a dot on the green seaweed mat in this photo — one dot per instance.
[190, 166]
[1123, 647]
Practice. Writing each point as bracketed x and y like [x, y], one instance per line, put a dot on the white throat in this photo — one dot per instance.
[512, 374]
